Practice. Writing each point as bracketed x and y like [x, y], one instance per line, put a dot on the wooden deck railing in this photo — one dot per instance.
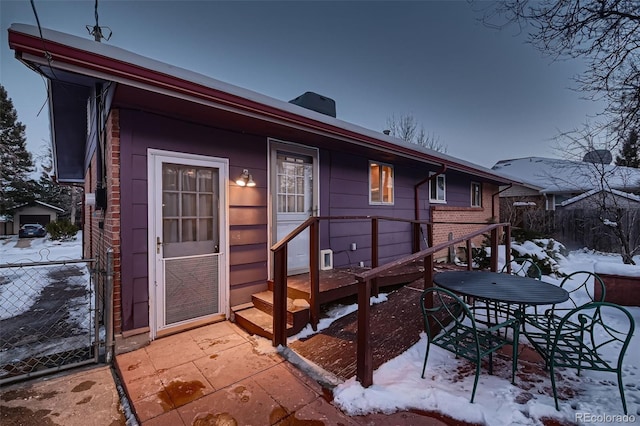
[364, 372]
[313, 224]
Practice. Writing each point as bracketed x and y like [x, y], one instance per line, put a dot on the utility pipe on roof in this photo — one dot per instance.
[493, 199]
[416, 199]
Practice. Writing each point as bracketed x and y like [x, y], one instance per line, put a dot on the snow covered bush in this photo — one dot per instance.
[544, 252]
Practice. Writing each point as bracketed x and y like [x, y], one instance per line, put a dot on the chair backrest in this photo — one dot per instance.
[442, 309]
[594, 336]
[581, 286]
[524, 267]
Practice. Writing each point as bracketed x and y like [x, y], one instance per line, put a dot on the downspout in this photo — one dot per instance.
[493, 199]
[416, 199]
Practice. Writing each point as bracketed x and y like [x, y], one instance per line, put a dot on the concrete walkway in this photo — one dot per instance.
[218, 374]
[213, 375]
[84, 397]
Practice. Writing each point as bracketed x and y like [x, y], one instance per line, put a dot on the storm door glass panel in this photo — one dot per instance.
[294, 182]
[294, 194]
[189, 210]
[190, 246]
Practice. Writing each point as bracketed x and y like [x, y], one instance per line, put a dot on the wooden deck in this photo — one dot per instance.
[339, 283]
[396, 326]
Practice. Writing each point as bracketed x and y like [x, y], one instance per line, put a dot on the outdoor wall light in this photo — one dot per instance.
[245, 179]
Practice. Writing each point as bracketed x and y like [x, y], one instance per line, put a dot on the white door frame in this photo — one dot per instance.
[156, 157]
[275, 145]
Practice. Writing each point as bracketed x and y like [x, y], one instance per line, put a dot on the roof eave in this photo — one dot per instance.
[100, 66]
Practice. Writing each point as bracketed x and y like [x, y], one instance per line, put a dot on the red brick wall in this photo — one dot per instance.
[102, 227]
[462, 220]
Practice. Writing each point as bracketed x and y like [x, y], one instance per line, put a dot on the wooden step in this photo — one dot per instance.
[292, 292]
[258, 322]
[297, 310]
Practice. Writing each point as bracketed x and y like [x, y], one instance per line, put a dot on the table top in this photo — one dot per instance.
[501, 287]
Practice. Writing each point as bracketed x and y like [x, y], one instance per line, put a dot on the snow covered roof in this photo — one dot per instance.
[584, 195]
[43, 204]
[109, 63]
[553, 175]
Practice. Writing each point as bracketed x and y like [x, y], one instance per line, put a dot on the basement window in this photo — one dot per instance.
[380, 183]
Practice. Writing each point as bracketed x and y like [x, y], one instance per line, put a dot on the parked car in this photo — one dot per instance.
[32, 230]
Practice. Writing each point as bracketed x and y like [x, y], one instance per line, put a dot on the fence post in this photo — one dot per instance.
[109, 307]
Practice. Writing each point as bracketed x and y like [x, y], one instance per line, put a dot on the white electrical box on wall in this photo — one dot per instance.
[90, 199]
[326, 259]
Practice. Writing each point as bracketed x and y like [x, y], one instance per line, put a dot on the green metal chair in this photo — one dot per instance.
[450, 325]
[582, 339]
[540, 327]
[581, 291]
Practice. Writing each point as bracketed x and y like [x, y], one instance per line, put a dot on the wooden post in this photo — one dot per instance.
[428, 282]
[507, 247]
[415, 227]
[374, 252]
[469, 256]
[428, 272]
[494, 249]
[314, 273]
[364, 355]
[280, 297]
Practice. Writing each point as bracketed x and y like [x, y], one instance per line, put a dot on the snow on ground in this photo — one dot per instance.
[19, 289]
[24, 276]
[40, 250]
[397, 384]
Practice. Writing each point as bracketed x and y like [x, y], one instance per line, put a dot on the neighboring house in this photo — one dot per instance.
[599, 198]
[545, 183]
[160, 150]
[35, 212]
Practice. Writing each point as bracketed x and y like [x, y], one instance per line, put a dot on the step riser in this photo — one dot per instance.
[297, 319]
[264, 330]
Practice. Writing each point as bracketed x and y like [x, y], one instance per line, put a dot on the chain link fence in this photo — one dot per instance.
[51, 317]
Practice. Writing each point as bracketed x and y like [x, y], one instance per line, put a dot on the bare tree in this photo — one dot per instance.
[406, 128]
[610, 195]
[604, 33]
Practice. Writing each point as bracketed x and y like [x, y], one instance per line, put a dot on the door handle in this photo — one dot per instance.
[158, 245]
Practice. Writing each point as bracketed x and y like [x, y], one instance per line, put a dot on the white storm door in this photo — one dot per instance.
[187, 237]
[294, 203]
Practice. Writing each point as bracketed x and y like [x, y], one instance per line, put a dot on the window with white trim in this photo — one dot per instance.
[438, 189]
[476, 194]
[380, 183]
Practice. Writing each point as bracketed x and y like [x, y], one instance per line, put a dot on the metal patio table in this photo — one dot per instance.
[501, 287]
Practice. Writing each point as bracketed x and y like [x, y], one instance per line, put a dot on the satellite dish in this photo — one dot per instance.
[602, 156]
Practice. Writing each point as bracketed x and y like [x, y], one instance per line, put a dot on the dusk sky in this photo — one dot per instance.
[486, 94]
